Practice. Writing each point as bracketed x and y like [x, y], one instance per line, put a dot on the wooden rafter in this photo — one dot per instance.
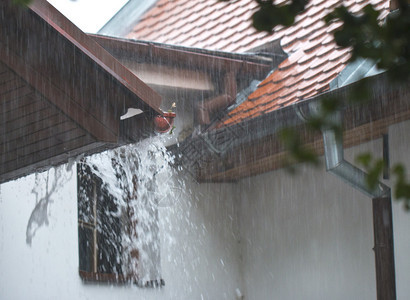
[61, 94]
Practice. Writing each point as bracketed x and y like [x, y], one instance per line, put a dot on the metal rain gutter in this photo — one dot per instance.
[381, 201]
[336, 164]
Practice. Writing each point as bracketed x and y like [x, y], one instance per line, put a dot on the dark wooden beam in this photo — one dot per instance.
[269, 153]
[211, 61]
[96, 53]
[384, 248]
[15, 130]
[42, 149]
[30, 139]
[8, 98]
[57, 96]
[53, 157]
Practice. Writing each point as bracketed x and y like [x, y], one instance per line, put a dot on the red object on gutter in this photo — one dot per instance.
[163, 123]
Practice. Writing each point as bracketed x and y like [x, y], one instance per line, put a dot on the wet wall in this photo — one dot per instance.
[199, 245]
[310, 236]
[271, 236]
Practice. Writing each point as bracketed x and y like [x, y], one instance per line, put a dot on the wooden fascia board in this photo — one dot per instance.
[61, 157]
[163, 54]
[98, 54]
[362, 123]
[271, 161]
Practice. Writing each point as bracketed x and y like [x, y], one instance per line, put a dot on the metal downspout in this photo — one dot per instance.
[334, 157]
[382, 209]
[336, 164]
[381, 201]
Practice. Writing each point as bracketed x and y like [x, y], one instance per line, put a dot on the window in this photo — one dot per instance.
[105, 228]
[99, 230]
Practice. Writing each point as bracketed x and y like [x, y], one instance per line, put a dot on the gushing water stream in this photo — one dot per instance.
[137, 176]
[138, 180]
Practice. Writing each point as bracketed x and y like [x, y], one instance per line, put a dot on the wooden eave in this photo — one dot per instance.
[61, 94]
[190, 57]
[147, 57]
[256, 148]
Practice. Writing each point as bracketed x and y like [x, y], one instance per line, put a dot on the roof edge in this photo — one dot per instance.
[252, 58]
[265, 127]
[290, 115]
[97, 53]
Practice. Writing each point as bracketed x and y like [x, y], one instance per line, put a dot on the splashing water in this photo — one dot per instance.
[139, 179]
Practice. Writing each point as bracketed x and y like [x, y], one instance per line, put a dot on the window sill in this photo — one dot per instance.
[90, 277]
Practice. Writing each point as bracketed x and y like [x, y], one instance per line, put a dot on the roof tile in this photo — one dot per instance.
[314, 59]
[179, 17]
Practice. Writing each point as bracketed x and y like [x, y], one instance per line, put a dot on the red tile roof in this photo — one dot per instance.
[314, 59]
[207, 24]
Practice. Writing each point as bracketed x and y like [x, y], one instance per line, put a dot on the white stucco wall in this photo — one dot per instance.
[311, 236]
[273, 236]
[399, 140]
[200, 257]
[306, 237]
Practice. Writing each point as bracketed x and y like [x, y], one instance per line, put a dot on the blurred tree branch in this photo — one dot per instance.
[386, 42]
[21, 2]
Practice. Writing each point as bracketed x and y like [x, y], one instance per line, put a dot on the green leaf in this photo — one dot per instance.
[364, 159]
[298, 153]
[21, 2]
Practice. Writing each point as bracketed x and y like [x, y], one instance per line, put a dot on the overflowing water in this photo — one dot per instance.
[138, 177]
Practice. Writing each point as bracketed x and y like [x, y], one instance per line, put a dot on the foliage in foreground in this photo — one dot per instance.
[21, 2]
[386, 42]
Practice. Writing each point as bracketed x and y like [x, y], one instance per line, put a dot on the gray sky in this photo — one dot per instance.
[88, 15]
